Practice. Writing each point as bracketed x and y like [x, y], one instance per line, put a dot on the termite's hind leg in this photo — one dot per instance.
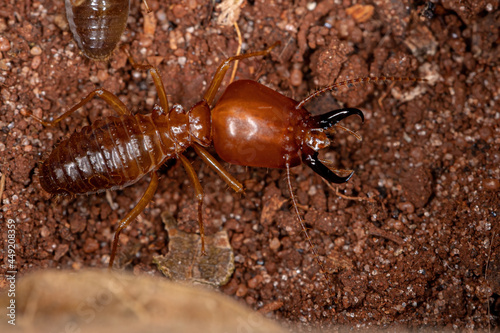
[198, 189]
[146, 198]
[111, 99]
[160, 88]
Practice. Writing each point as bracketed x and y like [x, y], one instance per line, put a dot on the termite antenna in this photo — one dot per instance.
[352, 82]
[304, 230]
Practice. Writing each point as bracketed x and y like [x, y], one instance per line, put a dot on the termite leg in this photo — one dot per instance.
[160, 88]
[222, 69]
[111, 99]
[199, 195]
[146, 198]
[218, 168]
[148, 10]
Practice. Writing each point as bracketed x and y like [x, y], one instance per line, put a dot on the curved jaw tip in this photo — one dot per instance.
[317, 166]
[325, 122]
[331, 118]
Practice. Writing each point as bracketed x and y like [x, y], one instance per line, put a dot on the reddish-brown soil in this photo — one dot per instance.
[426, 252]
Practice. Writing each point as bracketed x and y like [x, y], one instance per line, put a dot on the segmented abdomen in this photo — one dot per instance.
[111, 153]
[97, 25]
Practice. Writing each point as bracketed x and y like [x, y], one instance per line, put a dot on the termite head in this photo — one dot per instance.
[317, 137]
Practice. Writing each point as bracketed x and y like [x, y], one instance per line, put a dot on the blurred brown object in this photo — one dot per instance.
[184, 261]
[98, 301]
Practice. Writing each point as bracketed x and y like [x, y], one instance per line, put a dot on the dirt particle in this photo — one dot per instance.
[45, 232]
[22, 170]
[406, 207]
[35, 63]
[61, 250]
[4, 44]
[61, 22]
[296, 76]
[360, 13]
[179, 11]
[491, 184]
[231, 287]
[91, 245]
[4, 64]
[3, 25]
[311, 5]
[77, 224]
[102, 75]
[271, 307]
[255, 282]
[36, 51]
[242, 290]
[417, 186]
[395, 224]
[275, 244]
[485, 133]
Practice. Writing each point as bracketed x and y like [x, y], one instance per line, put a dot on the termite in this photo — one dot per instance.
[250, 125]
[97, 25]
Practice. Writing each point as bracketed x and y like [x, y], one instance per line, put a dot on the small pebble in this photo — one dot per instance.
[179, 11]
[61, 22]
[406, 207]
[61, 251]
[275, 244]
[270, 307]
[4, 44]
[395, 224]
[102, 75]
[485, 133]
[4, 64]
[76, 266]
[182, 61]
[311, 5]
[250, 300]
[35, 63]
[3, 25]
[255, 282]
[22, 125]
[296, 77]
[491, 184]
[241, 291]
[45, 232]
[91, 245]
[36, 51]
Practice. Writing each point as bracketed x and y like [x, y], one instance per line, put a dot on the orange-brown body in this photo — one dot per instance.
[250, 125]
[255, 126]
[115, 152]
